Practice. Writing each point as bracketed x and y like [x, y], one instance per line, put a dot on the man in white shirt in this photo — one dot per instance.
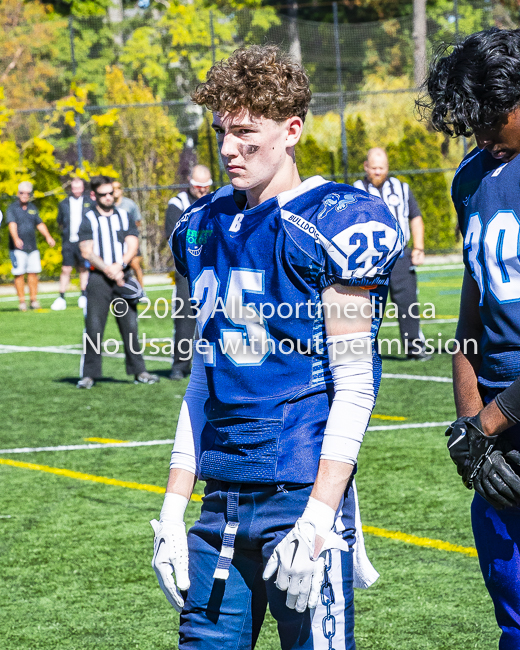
[70, 213]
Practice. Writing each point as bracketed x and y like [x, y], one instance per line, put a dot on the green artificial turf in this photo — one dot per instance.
[75, 555]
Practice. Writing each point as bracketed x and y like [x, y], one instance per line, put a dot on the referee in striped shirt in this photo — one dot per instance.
[403, 281]
[108, 239]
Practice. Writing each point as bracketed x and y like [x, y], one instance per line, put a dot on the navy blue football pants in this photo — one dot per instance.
[228, 614]
[497, 538]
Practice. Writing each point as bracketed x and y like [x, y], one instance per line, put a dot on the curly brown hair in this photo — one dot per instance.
[260, 78]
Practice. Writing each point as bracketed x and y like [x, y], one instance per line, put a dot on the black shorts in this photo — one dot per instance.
[71, 255]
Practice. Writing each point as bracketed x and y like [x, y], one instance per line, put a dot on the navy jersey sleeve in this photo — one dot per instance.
[363, 242]
[85, 232]
[359, 239]
[352, 238]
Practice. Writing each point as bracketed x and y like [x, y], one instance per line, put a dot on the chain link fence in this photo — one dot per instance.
[140, 69]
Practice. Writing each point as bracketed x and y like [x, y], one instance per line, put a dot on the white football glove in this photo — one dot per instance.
[299, 573]
[171, 550]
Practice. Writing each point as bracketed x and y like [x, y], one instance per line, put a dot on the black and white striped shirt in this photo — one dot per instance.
[108, 233]
[399, 199]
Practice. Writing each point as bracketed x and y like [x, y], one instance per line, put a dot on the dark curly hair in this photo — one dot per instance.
[476, 85]
[262, 79]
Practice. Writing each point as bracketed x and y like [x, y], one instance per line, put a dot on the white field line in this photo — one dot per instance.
[4, 349]
[145, 443]
[446, 267]
[441, 380]
[76, 294]
[66, 349]
[426, 321]
[413, 425]
[150, 443]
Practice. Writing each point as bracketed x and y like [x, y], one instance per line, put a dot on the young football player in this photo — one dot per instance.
[476, 89]
[281, 390]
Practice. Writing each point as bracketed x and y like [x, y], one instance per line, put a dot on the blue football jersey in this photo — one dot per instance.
[256, 278]
[486, 194]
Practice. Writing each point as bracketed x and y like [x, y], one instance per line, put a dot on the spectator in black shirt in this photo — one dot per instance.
[23, 221]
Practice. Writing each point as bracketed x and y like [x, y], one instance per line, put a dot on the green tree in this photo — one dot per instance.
[357, 143]
[174, 54]
[420, 149]
[29, 52]
[207, 149]
[313, 159]
[36, 160]
[144, 146]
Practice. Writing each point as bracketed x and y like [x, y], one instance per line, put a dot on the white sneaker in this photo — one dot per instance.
[82, 302]
[59, 304]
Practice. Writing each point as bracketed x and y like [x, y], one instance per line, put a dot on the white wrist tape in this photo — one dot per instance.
[191, 418]
[321, 515]
[174, 507]
[350, 360]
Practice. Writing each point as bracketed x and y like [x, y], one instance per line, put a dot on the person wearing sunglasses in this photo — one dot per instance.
[108, 240]
[184, 324]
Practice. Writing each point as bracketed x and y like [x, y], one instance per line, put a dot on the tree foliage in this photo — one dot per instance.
[143, 144]
[29, 49]
[174, 53]
[36, 160]
[419, 149]
[207, 150]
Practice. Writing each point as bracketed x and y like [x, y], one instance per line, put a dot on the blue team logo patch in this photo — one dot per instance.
[196, 240]
[336, 201]
[347, 199]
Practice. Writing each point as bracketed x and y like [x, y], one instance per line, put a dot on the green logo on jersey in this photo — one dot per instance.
[198, 237]
[31, 211]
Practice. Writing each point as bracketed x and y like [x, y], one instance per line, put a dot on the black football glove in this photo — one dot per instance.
[469, 447]
[497, 481]
[487, 463]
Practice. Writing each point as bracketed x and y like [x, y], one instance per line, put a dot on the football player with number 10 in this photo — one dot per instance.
[277, 407]
[476, 89]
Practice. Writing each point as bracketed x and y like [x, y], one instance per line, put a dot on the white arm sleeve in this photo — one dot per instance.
[350, 360]
[191, 418]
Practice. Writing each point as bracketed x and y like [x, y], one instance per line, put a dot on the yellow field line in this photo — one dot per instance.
[420, 541]
[371, 530]
[398, 418]
[89, 477]
[105, 441]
